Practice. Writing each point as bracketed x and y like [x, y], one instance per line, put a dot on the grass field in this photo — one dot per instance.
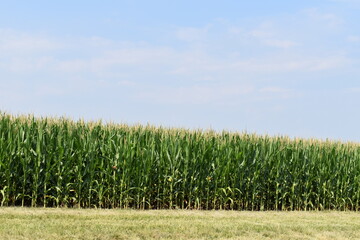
[52, 223]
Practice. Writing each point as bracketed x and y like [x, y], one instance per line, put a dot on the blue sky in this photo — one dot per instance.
[270, 67]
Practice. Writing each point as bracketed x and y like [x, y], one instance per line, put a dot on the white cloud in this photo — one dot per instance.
[354, 39]
[347, 1]
[191, 34]
[135, 56]
[291, 64]
[23, 43]
[267, 35]
[74, 65]
[215, 94]
[265, 30]
[121, 60]
[353, 90]
[327, 63]
[126, 83]
[273, 90]
[278, 92]
[219, 95]
[330, 20]
[235, 30]
[96, 61]
[26, 64]
[46, 90]
[281, 43]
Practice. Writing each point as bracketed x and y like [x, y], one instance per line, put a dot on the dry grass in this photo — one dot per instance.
[36, 223]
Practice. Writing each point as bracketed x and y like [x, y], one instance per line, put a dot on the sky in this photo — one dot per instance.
[267, 67]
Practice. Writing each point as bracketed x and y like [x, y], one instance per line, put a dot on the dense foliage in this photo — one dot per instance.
[59, 162]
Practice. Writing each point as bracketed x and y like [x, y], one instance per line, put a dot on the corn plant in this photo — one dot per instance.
[57, 162]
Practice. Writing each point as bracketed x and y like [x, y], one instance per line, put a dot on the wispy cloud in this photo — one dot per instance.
[134, 62]
[347, 1]
[134, 56]
[285, 64]
[215, 94]
[279, 92]
[281, 43]
[353, 90]
[330, 20]
[15, 42]
[240, 63]
[353, 39]
[191, 34]
[267, 35]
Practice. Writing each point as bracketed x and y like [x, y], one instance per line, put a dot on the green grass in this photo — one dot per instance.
[56, 162]
[54, 224]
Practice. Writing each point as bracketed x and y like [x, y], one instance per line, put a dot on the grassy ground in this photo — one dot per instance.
[30, 223]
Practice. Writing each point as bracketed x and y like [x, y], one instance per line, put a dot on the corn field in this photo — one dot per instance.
[56, 162]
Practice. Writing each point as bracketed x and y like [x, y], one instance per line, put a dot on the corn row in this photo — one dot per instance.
[56, 162]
